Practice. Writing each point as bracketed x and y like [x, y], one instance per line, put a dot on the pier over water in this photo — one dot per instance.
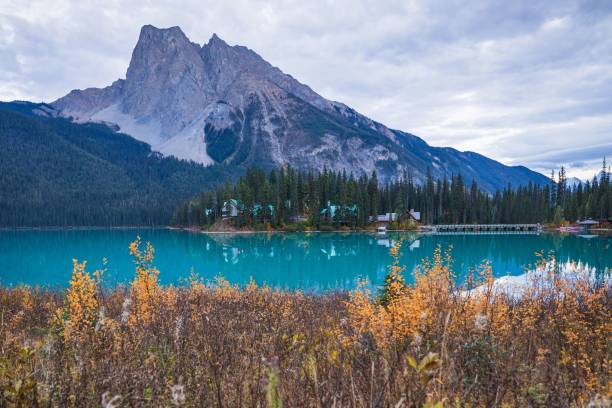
[485, 228]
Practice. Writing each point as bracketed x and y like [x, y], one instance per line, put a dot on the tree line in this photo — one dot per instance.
[284, 196]
[57, 173]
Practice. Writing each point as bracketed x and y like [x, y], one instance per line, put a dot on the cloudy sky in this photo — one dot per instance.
[524, 82]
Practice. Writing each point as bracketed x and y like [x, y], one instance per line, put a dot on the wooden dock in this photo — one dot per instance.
[485, 228]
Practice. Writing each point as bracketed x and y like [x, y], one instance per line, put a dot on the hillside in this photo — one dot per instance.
[55, 173]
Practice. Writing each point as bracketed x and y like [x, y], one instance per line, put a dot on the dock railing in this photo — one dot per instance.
[485, 228]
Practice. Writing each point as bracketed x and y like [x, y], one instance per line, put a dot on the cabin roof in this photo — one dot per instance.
[387, 217]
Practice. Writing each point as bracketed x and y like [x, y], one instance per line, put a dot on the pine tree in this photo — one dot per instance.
[294, 192]
[561, 188]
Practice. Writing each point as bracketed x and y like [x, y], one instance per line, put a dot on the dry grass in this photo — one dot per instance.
[216, 345]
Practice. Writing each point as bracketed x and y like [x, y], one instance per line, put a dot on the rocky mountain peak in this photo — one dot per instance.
[148, 31]
[153, 40]
[157, 48]
[215, 40]
[218, 103]
[165, 74]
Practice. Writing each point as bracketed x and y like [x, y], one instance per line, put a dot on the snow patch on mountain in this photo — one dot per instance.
[188, 144]
[148, 131]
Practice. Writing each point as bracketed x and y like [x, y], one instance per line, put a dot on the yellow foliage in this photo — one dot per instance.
[427, 341]
[81, 308]
[146, 291]
[570, 310]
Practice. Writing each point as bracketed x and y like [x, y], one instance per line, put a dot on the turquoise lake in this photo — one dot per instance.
[312, 262]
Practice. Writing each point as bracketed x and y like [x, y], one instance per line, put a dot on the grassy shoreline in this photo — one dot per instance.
[412, 345]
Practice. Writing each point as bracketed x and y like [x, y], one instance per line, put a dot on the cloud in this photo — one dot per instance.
[523, 82]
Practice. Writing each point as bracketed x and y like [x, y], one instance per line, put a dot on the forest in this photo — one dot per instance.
[54, 172]
[57, 173]
[286, 196]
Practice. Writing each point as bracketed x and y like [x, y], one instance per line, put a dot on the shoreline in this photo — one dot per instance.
[81, 228]
[420, 230]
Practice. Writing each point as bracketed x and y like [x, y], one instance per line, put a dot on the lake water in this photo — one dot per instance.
[313, 262]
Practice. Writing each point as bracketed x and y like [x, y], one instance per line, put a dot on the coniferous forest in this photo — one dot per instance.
[57, 173]
[284, 196]
[54, 172]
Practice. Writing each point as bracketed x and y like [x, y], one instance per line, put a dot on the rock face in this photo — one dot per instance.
[224, 104]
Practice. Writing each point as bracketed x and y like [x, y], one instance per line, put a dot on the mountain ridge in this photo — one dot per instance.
[218, 103]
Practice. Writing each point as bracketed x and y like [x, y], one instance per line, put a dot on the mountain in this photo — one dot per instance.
[218, 103]
[573, 182]
[54, 172]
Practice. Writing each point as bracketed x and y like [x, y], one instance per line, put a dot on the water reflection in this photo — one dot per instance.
[316, 261]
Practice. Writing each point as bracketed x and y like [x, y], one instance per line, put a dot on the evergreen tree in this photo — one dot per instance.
[295, 193]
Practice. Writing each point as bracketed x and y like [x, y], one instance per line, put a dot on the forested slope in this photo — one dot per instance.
[57, 173]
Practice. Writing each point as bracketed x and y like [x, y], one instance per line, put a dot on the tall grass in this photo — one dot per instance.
[427, 344]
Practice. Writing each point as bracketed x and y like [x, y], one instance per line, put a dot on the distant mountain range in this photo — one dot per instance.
[222, 104]
[573, 182]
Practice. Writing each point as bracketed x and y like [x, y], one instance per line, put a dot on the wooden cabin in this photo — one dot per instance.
[230, 208]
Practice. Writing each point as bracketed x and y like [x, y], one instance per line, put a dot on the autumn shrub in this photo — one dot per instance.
[547, 343]
[146, 292]
[81, 308]
[431, 343]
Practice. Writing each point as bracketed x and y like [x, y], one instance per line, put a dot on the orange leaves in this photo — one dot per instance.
[81, 306]
[362, 311]
[405, 310]
[146, 292]
[557, 320]
[394, 286]
[428, 341]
